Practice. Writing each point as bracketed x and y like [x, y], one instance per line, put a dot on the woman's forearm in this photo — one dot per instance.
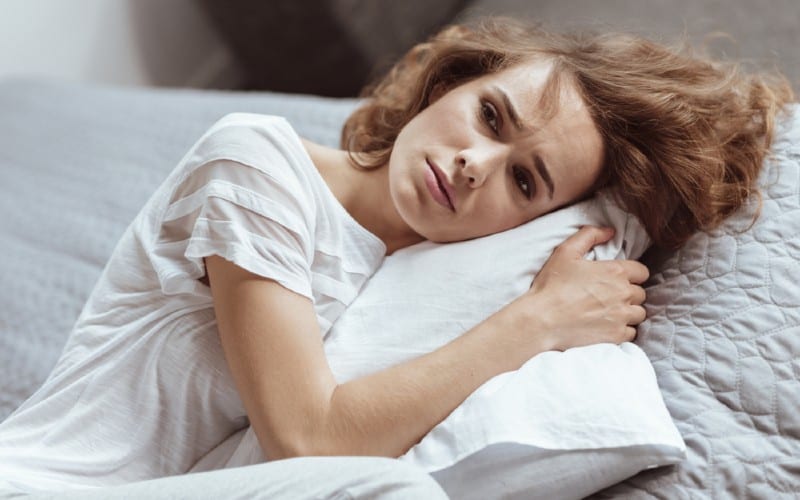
[387, 412]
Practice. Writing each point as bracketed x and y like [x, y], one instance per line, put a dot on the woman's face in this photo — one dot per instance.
[484, 157]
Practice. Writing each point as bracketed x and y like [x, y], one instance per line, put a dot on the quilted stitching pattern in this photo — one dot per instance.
[723, 333]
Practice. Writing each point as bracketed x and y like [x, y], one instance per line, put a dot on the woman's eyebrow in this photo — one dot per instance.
[510, 109]
[545, 174]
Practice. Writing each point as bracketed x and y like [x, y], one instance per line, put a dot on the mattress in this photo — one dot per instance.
[723, 329]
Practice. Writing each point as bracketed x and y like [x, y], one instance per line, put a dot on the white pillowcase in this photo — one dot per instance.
[563, 426]
[425, 295]
[566, 424]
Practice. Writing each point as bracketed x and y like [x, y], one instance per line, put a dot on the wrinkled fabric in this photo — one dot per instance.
[142, 389]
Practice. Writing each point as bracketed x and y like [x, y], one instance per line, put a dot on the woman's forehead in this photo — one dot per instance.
[535, 91]
[551, 109]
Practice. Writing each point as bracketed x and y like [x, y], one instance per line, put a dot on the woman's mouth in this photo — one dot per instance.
[437, 185]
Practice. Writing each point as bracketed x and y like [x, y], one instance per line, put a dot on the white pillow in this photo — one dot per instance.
[427, 294]
[566, 424]
[563, 426]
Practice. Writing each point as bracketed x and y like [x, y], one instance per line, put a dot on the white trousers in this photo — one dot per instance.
[303, 478]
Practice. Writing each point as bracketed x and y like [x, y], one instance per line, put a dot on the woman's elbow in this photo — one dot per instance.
[302, 446]
[305, 447]
[288, 448]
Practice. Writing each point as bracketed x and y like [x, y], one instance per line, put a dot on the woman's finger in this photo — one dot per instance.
[637, 272]
[638, 295]
[587, 237]
[637, 315]
[634, 271]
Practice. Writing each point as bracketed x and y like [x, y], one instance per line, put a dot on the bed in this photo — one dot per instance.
[723, 330]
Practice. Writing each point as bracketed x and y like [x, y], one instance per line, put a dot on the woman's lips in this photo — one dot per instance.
[438, 186]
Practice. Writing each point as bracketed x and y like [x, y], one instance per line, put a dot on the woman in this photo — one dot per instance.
[211, 311]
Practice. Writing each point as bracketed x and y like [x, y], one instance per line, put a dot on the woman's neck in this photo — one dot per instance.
[364, 194]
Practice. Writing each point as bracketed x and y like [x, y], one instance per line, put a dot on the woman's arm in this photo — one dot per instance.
[275, 353]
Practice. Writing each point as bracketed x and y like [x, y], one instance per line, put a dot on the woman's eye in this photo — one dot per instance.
[489, 115]
[524, 181]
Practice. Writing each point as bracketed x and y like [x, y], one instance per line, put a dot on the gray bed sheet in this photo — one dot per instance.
[723, 329]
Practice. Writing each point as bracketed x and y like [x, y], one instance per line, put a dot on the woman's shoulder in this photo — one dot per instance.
[267, 142]
[240, 127]
[243, 119]
[257, 159]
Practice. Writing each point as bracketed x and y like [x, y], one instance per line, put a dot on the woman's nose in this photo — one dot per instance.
[478, 164]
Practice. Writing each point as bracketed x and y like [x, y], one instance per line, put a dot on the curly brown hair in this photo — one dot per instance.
[684, 135]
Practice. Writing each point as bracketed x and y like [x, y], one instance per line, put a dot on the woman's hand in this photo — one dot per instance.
[575, 302]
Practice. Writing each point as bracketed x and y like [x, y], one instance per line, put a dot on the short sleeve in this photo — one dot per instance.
[250, 207]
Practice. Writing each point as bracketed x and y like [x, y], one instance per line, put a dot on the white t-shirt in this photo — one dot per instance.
[142, 389]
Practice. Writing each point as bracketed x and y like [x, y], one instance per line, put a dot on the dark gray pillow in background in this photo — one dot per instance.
[323, 47]
[334, 47]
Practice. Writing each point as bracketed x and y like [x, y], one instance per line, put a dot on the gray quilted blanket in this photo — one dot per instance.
[723, 333]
